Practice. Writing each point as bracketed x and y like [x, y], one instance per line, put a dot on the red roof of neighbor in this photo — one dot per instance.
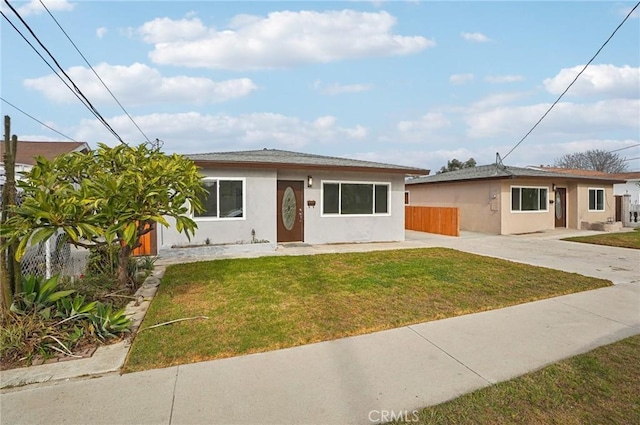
[622, 176]
[28, 151]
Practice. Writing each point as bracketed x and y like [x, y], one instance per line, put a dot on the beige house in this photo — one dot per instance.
[512, 200]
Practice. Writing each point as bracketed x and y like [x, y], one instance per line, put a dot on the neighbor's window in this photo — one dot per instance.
[406, 197]
[224, 200]
[596, 199]
[529, 199]
[355, 198]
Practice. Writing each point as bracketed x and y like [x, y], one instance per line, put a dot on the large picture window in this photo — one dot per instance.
[343, 198]
[529, 199]
[224, 200]
[596, 199]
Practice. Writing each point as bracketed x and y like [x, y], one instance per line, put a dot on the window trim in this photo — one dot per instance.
[604, 195]
[244, 200]
[373, 188]
[520, 211]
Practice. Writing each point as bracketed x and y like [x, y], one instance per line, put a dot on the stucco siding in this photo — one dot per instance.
[260, 211]
[320, 228]
[260, 198]
[583, 212]
[478, 202]
[514, 222]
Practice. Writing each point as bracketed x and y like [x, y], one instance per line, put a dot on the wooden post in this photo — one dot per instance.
[6, 280]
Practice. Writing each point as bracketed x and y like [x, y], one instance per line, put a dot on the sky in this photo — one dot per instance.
[414, 83]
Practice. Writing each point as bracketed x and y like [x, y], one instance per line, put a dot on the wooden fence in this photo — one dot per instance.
[440, 220]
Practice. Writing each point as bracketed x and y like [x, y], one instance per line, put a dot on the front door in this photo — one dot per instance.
[290, 211]
[561, 207]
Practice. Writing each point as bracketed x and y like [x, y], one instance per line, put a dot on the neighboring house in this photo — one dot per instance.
[277, 196]
[630, 185]
[512, 200]
[27, 152]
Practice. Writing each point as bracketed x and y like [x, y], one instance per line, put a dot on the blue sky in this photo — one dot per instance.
[406, 82]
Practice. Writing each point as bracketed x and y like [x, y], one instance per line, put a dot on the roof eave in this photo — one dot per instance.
[289, 166]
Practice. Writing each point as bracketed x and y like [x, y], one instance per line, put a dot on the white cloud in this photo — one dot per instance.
[192, 132]
[476, 37]
[497, 99]
[607, 80]
[498, 79]
[461, 78]
[428, 122]
[565, 118]
[140, 84]
[35, 8]
[279, 40]
[101, 32]
[337, 88]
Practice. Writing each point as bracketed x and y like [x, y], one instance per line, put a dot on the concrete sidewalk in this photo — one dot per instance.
[351, 380]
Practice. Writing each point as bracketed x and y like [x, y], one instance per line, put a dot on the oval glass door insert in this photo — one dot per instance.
[289, 208]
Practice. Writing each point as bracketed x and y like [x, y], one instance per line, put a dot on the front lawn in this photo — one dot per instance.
[621, 240]
[267, 303]
[599, 387]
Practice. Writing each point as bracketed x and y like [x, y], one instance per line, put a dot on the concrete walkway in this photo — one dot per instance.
[358, 379]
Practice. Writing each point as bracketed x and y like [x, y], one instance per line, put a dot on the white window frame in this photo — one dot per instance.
[604, 204]
[520, 211]
[340, 182]
[244, 200]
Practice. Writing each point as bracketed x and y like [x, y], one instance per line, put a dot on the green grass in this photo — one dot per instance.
[621, 240]
[599, 387]
[268, 303]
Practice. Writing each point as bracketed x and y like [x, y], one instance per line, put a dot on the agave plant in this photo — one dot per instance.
[107, 323]
[39, 295]
[72, 308]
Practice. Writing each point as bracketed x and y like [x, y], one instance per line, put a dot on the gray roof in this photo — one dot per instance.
[490, 172]
[287, 159]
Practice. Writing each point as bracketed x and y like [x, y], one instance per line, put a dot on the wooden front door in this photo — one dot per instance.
[290, 215]
[560, 206]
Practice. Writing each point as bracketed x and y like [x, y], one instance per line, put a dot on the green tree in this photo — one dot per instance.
[455, 165]
[110, 196]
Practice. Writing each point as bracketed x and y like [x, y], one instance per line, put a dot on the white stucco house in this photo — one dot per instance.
[279, 196]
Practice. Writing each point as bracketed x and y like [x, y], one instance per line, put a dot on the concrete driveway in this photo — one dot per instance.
[619, 265]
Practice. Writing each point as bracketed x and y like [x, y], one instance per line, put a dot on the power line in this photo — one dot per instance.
[631, 159]
[94, 71]
[574, 80]
[86, 102]
[626, 147]
[37, 120]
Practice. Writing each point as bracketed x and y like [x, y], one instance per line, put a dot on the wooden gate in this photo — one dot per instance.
[440, 220]
[148, 244]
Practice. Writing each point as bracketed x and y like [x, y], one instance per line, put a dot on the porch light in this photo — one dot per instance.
[309, 181]
[553, 187]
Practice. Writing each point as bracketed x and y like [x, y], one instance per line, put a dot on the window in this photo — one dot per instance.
[224, 200]
[596, 199]
[355, 198]
[406, 198]
[529, 199]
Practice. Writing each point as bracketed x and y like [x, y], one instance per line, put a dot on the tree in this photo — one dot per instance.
[454, 165]
[594, 159]
[110, 196]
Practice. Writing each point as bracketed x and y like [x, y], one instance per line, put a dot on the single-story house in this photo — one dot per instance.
[506, 200]
[27, 152]
[278, 196]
